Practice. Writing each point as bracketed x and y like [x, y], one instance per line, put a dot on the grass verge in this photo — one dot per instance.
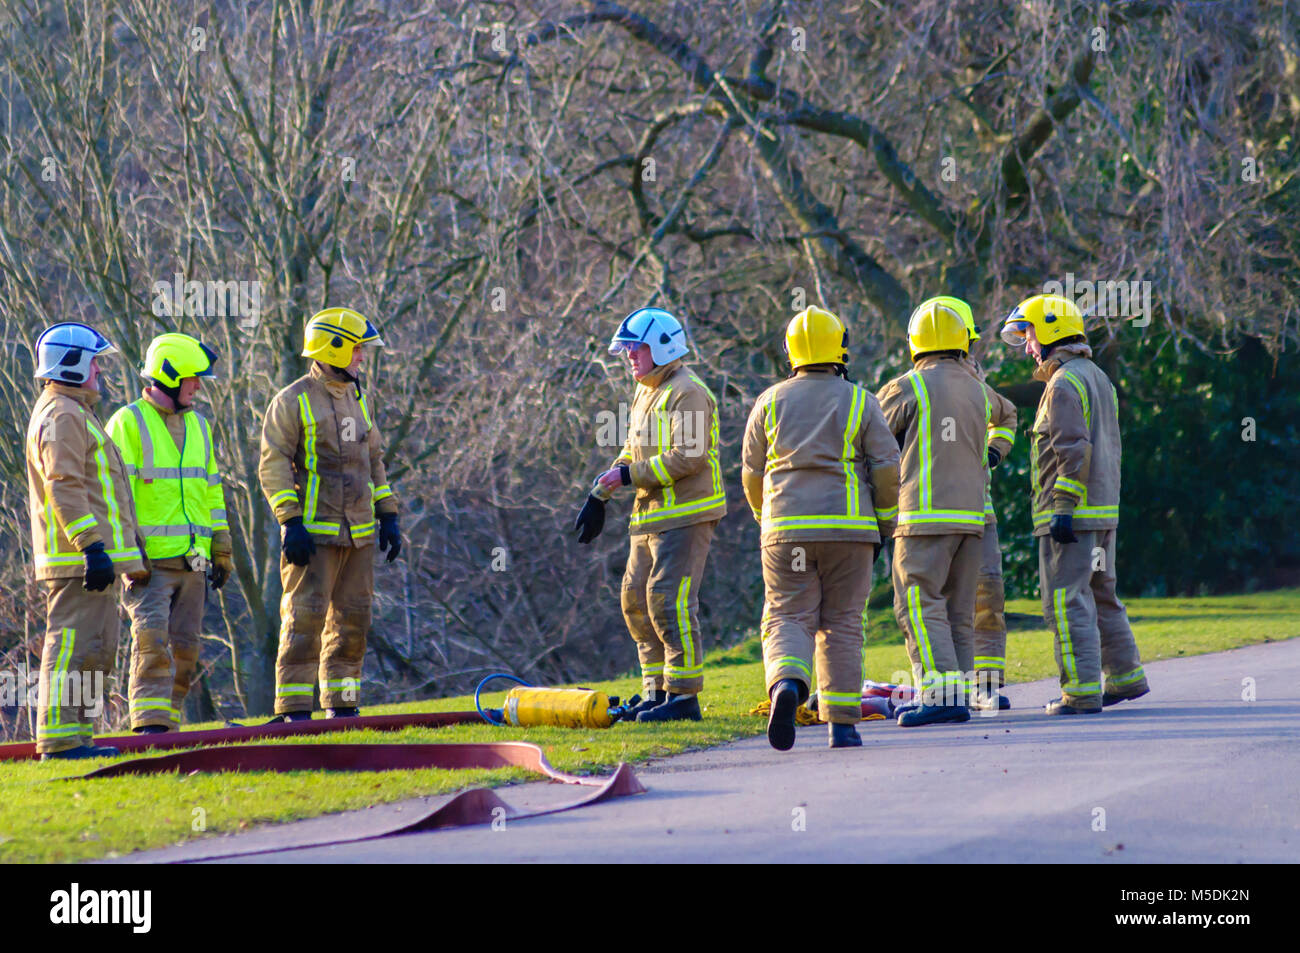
[45, 822]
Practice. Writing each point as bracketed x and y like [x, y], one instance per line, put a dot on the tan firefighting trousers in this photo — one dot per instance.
[817, 592]
[934, 601]
[661, 606]
[166, 619]
[328, 597]
[1091, 625]
[990, 614]
[81, 633]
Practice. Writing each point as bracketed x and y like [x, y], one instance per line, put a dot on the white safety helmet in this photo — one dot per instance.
[655, 327]
[64, 352]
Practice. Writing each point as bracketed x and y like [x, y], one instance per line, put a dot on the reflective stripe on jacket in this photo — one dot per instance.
[940, 414]
[322, 459]
[1076, 444]
[672, 452]
[819, 463]
[1002, 428]
[78, 492]
[177, 489]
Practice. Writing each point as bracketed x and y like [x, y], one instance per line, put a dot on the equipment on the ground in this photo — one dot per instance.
[936, 327]
[64, 352]
[527, 706]
[816, 336]
[332, 335]
[655, 698]
[654, 327]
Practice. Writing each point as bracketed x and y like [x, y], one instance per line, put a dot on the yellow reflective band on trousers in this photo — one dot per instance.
[292, 689]
[918, 628]
[690, 668]
[990, 662]
[54, 727]
[845, 699]
[1072, 686]
[312, 464]
[1137, 675]
[926, 514]
[793, 661]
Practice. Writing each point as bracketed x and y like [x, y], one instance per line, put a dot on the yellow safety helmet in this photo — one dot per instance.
[956, 304]
[937, 325]
[332, 335]
[1052, 317]
[815, 336]
[173, 357]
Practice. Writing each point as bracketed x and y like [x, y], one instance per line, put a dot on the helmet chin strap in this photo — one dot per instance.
[173, 392]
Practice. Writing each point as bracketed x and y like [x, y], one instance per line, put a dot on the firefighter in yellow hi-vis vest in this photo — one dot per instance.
[83, 534]
[820, 472]
[1075, 475]
[322, 471]
[671, 457]
[170, 459]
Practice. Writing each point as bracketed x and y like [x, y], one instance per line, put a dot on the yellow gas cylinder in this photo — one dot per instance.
[563, 707]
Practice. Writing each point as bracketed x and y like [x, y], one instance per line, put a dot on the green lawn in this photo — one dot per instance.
[44, 822]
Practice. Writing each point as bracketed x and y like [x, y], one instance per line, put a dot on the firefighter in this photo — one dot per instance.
[671, 457]
[940, 415]
[83, 535]
[1075, 477]
[322, 471]
[820, 472]
[990, 595]
[168, 451]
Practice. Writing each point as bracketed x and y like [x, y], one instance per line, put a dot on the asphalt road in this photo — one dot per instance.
[1191, 773]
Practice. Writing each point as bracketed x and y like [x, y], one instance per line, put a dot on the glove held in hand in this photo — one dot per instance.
[99, 568]
[1062, 528]
[390, 537]
[591, 520]
[297, 544]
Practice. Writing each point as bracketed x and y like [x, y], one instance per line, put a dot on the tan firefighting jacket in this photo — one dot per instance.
[1076, 444]
[78, 492]
[322, 459]
[672, 452]
[1002, 428]
[940, 413]
[819, 463]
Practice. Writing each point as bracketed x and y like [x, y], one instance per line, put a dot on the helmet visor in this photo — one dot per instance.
[371, 337]
[1016, 331]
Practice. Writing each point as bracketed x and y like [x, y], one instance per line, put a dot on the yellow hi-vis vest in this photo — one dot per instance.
[178, 497]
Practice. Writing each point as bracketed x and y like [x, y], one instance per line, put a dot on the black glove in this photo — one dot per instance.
[1062, 528]
[99, 568]
[219, 571]
[591, 520]
[297, 544]
[390, 537]
[625, 474]
[994, 457]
